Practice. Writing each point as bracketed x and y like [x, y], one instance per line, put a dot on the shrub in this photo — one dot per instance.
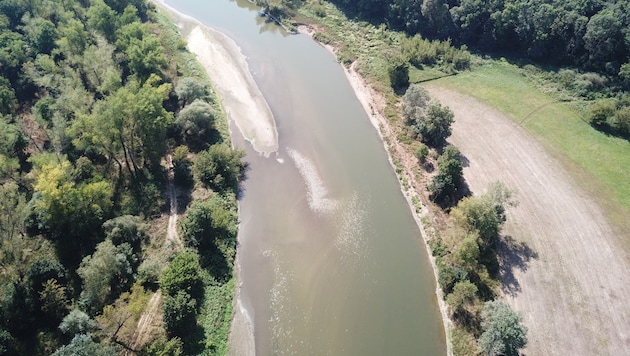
[399, 73]
[422, 152]
[600, 112]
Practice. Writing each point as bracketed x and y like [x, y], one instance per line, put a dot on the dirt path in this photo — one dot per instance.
[150, 318]
[172, 238]
[562, 266]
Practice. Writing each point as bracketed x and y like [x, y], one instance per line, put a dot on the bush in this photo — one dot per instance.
[399, 73]
[449, 275]
[422, 152]
[190, 89]
[149, 273]
[620, 121]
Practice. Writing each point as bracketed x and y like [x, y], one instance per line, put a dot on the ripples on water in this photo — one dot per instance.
[351, 235]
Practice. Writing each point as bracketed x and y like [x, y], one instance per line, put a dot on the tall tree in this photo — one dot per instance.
[503, 333]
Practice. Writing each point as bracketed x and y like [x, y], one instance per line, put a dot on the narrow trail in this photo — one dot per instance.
[150, 318]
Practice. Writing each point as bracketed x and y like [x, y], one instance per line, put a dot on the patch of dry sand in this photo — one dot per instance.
[241, 98]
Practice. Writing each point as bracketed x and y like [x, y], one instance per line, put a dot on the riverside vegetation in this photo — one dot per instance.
[94, 95]
[573, 54]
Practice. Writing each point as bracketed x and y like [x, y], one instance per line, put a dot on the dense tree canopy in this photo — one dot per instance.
[591, 34]
[89, 93]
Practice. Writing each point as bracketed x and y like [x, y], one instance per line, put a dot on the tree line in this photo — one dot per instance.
[466, 259]
[93, 95]
[592, 34]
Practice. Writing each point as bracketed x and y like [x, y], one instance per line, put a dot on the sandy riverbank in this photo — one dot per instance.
[230, 75]
[246, 107]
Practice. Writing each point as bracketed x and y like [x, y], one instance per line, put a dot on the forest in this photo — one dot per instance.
[97, 98]
[591, 34]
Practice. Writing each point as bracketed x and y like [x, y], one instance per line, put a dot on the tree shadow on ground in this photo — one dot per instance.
[513, 255]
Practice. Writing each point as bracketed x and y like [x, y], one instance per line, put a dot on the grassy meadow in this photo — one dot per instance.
[598, 162]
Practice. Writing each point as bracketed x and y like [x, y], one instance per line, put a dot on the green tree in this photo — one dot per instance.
[413, 107]
[69, 211]
[196, 120]
[101, 71]
[467, 253]
[422, 152]
[164, 347]
[12, 211]
[126, 229]
[103, 19]
[41, 34]
[83, 345]
[53, 300]
[503, 333]
[6, 343]
[142, 50]
[106, 273]
[478, 214]
[624, 74]
[180, 315]
[77, 322]
[182, 167]
[190, 89]
[44, 270]
[463, 294]
[12, 53]
[129, 126]
[439, 22]
[444, 186]
[603, 39]
[8, 101]
[206, 222]
[220, 167]
[183, 274]
[436, 126]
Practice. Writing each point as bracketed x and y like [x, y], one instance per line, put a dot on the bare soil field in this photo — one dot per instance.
[562, 267]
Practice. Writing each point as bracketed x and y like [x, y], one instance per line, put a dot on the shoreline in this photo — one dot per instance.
[241, 340]
[373, 105]
[229, 73]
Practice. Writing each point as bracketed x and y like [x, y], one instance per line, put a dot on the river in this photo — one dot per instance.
[331, 259]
